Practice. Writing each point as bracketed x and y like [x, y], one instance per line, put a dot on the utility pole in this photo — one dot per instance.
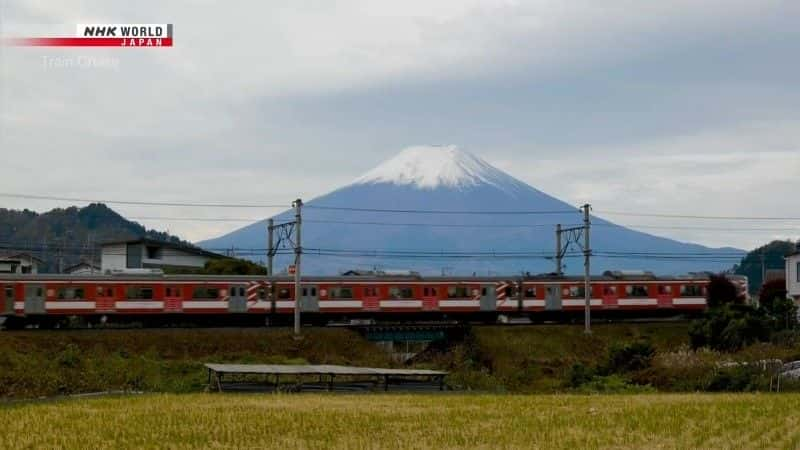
[558, 250]
[763, 268]
[270, 226]
[578, 235]
[286, 235]
[298, 251]
[587, 286]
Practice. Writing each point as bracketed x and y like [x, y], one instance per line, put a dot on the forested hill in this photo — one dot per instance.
[773, 254]
[70, 233]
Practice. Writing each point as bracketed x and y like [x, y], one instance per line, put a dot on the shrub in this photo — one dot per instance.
[613, 384]
[630, 356]
[579, 374]
[729, 328]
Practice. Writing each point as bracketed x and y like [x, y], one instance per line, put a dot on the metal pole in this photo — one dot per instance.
[298, 250]
[558, 249]
[270, 225]
[587, 287]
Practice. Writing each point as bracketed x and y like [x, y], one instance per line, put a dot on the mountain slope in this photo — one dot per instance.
[420, 179]
[68, 233]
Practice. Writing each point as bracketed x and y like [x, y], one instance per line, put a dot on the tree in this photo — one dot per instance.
[772, 253]
[231, 266]
[770, 291]
[772, 298]
[728, 324]
[722, 291]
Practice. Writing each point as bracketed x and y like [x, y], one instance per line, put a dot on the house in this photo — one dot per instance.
[19, 263]
[147, 253]
[793, 275]
[83, 268]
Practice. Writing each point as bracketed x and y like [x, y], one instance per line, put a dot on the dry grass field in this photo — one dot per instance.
[407, 421]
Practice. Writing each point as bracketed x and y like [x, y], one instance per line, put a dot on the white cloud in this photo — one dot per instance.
[750, 171]
[228, 115]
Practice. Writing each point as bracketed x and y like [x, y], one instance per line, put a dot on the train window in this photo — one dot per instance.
[664, 289]
[305, 292]
[205, 292]
[530, 292]
[401, 292]
[39, 292]
[636, 290]
[173, 291]
[457, 292]
[370, 292]
[340, 292]
[104, 291]
[483, 292]
[429, 291]
[9, 291]
[139, 292]
[313, 292]
[609, 290]
[691, 290]
[284, 293]
[576, 291]
[69, 293]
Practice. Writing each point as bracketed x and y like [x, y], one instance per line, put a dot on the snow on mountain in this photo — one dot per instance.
[445, 178]
[432, 167]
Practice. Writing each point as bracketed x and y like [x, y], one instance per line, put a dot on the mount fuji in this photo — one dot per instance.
[341, 230]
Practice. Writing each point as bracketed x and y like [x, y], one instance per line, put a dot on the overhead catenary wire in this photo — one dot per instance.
[696, 216]
[444, 211]
[142, 203]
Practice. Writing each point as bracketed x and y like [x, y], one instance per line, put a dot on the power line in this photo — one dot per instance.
[692, 216]
[140, 203]
[433, 211]
[681, 227]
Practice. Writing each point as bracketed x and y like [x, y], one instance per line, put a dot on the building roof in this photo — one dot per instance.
[80, 264]
[166, 244]
[20, 255]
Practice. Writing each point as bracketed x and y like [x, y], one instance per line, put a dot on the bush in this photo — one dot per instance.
[613, 384]
[729, 328]
[630, 356]
[738, 379]
[579, 374]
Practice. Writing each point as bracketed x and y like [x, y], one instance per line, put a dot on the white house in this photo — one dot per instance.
[152, 254]
[793, 275]
[19, 263]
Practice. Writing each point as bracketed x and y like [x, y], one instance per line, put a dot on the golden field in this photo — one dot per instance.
[406, 421]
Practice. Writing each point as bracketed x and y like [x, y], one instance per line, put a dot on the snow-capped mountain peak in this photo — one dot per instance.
[434, 166]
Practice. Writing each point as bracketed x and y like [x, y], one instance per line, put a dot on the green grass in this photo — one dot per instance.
[524, 359]
[407, 421]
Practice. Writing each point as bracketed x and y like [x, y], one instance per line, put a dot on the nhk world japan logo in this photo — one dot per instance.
[102, 35]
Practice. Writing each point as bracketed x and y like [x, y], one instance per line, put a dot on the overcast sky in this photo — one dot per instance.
[677, 106]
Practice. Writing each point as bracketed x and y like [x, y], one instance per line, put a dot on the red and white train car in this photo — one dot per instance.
[31, 298]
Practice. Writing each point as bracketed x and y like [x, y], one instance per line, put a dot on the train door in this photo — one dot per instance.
[237, 303]
[34, 299]
[309, 299]
[552, 297]
[488, 297]
[8, 299]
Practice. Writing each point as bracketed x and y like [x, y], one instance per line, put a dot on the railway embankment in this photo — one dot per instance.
[630, 357]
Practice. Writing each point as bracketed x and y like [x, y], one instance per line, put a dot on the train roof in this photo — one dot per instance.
[342, 279]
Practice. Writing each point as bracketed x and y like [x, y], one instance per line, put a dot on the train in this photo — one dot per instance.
[44, 300]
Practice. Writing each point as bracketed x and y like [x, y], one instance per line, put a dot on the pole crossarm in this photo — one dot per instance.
[285, 237]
